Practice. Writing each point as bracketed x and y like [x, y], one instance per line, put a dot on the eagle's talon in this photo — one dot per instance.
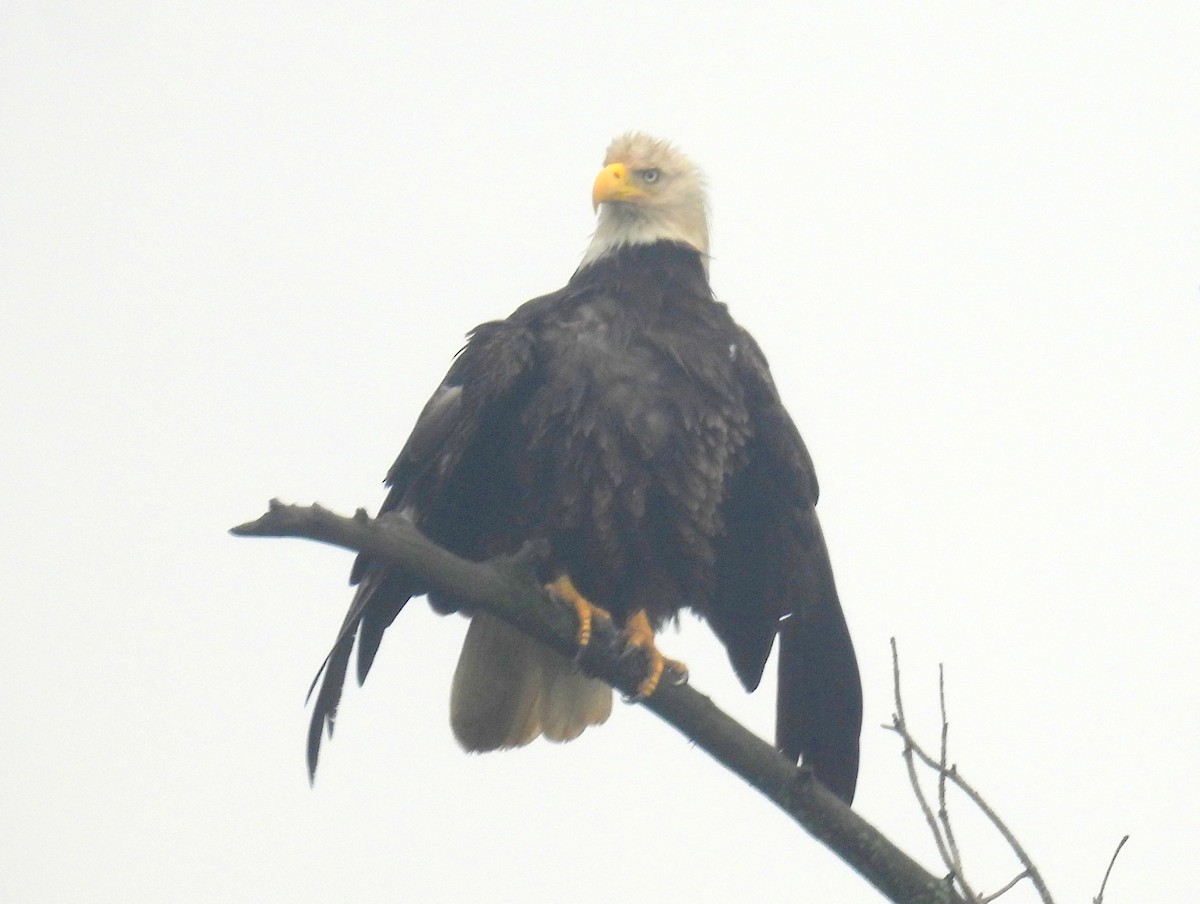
[577, 660]
[675, 673]
[639, 638]
[586, 612]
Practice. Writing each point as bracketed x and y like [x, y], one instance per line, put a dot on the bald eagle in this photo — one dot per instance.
[630, 425]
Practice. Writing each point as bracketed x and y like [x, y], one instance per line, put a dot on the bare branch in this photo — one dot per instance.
[1008, 885]
[945, 771]
[956, 865]
[1099, 899]
[508, 589]
[899, 725]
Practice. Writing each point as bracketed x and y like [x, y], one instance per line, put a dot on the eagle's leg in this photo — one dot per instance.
[639, 634]
[585, 610]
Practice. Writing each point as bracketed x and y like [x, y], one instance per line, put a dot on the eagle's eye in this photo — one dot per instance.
[649, 176]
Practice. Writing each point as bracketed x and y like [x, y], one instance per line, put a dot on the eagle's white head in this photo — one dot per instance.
[647, 192]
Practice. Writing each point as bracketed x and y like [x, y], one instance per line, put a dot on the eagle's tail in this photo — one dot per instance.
[508, 689]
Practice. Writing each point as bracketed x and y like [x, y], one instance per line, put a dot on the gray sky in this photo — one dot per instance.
[242, 243]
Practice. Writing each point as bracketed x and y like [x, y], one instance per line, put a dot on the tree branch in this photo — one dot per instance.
[910, 764]
[1099, 899]
[509, 589]
[946, 772]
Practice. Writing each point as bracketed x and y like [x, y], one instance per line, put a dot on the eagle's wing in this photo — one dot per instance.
[438, 471]
[774, 575]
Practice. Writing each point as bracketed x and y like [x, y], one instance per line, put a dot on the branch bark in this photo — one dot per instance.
[509, 589]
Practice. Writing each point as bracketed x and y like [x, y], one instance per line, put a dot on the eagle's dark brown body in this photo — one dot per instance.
[629, 422]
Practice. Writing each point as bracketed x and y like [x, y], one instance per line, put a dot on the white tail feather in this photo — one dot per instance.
[508, 689]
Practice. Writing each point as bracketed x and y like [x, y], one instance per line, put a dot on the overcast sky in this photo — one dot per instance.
[241, 243]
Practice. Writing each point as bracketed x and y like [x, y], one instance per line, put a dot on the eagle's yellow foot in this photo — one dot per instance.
[639, 635]
[585, 610]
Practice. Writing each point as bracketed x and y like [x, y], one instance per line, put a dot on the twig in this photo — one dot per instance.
[899, 725]
[509, 590]
[1009, 884]
[951, 773]
[956, 865]
[1099, 899]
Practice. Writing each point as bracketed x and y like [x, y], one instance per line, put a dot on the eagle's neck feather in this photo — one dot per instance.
[621, 226]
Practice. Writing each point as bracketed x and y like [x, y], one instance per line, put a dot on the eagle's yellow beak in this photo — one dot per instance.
[613, 184]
